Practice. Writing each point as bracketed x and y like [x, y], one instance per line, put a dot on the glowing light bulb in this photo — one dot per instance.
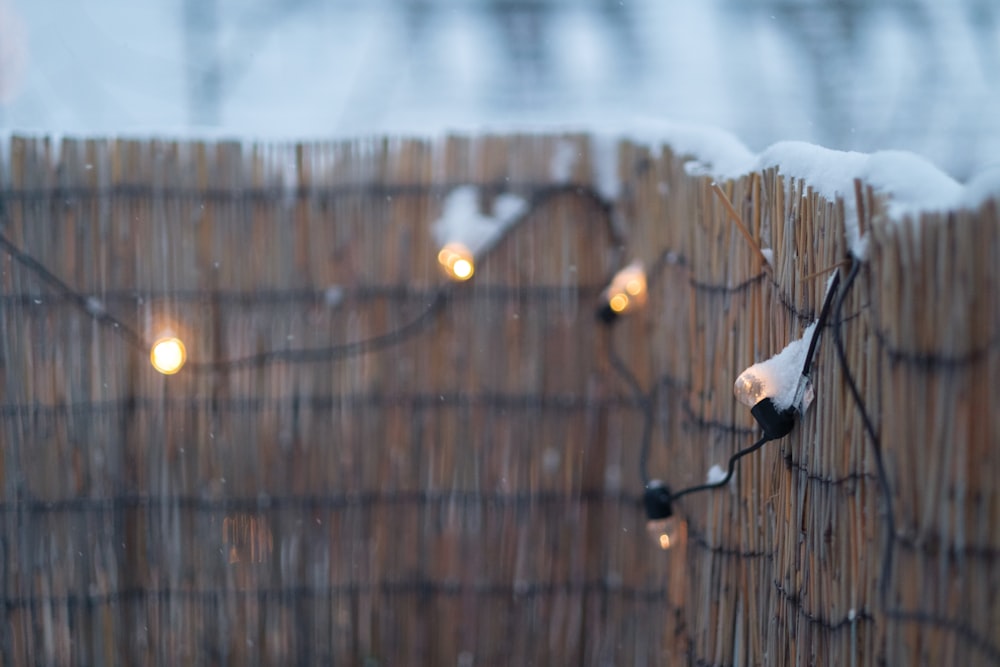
[462, 269]
[661, 523]
[626, 292]
[665, 532]
[751, 387]
[618, 303]
[457, 261]
[168, 355]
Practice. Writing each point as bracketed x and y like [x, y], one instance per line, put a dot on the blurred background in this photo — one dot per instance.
[920, 75]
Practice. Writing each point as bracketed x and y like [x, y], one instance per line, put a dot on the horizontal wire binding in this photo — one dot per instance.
[934, 361]
[291, 594]
[825, 480]
[345, 294]
[333, 502]
[698, 538]
[251, 404]
[795, 601]
[277, 194]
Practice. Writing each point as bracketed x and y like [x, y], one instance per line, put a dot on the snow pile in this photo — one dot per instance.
[562, 161]
[716, 474]
[983, 186]
[714, 152]
[911, 183]
[778, 377]
[462, 222]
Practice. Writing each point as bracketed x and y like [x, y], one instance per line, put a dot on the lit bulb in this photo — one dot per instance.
[462, 269]
[665, 532]
[457, 261]
[618, 303]
[626, 292]
[168, 355]
[751, 387]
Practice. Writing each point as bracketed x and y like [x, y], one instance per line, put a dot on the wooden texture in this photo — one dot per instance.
[469, 494]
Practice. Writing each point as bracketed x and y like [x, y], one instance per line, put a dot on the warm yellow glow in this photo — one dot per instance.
[627, 290]
[462, 269]
[618, 303]
[457, 261]
[168, 355]
[666, 533]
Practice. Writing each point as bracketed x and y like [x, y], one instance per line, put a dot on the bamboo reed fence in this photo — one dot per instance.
[467, 490]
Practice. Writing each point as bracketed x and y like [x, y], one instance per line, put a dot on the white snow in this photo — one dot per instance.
[715, 474]
[333, 295]
[604, 148]
[713, 151]
[94, 306]
[562, 162]
[778, 377]
[462, 221]
[982, 187]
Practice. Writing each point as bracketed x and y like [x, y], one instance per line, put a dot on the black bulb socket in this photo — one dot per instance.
[656, 499]
[776, 423]
[606, 314]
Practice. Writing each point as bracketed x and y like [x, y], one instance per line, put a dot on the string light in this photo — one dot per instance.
[756, 387]
[540, 197]
[661, 523]
[625, 293]
[457, 261]
[168, 355]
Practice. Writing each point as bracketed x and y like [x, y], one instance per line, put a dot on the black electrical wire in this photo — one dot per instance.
[729, 473]
[828, 301]
[645, 404]
[824, 315]
[876, 442]
[304, 355]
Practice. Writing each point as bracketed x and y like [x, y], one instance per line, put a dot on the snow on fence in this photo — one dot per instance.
[464, 487]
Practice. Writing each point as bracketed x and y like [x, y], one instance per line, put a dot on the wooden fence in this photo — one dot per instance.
[463, 489]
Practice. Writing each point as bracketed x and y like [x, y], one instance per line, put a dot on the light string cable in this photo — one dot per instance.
[824, 315]
[643, 398]
[869, 426]
[92, 306]
[983, 644]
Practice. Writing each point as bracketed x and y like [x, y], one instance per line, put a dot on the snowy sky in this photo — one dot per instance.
[920, 75]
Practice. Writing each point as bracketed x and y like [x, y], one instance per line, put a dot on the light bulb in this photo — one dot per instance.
[457, 261]
[665, 532]
[168, 355]
[618, 303]
[626, 292]
[462, 269]
[751, 387]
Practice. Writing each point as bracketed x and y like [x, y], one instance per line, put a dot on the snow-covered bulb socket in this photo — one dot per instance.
[755, 389]
[626, 293]
[457, 261]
